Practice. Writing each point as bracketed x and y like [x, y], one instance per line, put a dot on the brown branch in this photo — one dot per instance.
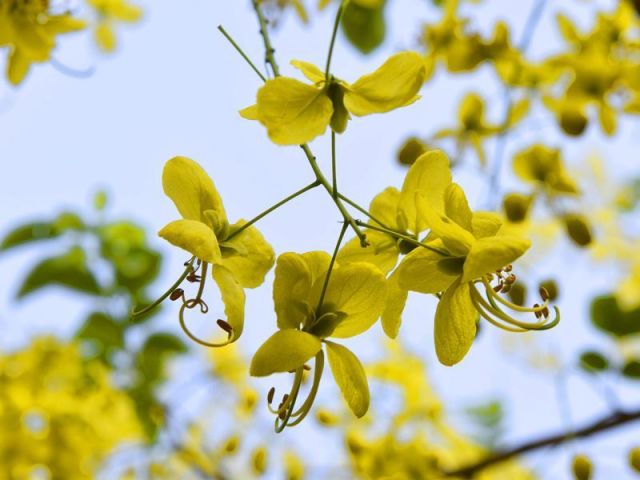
[606, 423]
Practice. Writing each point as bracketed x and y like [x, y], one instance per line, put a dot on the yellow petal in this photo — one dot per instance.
[284, 351]
[105, 37]
[395, 84]
[309, 70]
[350, 377]
[430, 175]
[492, 253]
[382, 251]
[250, 113]
[384, 207]
[358, 290]
[456, 206]
[17, 66]
[293, 112]
[194, 237]
[191, 189]
[291, 289]
[455, 238]
[455, 324]
[425, 271]
[250, 257]
[233, 297]
[396, 300]
[485, 224]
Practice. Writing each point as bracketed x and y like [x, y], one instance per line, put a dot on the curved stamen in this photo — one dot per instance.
[493, 308]
[284, 415]
[484, 314]
[302, 412]
[189, 304]
[518, 308]
[188, 270]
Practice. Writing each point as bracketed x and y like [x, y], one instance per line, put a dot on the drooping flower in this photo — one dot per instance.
[396, 210]
[239, 255]
[543, 166]
[478, 253]
[295, 112]
[312, 306]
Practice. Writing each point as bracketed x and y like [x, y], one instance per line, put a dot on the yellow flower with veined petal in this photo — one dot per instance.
[239, 255]
[295, 112]
[313, 305]
[476, 253]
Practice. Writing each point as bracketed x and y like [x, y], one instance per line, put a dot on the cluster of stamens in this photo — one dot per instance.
[196, 273]
[286, 413]
[493, 305]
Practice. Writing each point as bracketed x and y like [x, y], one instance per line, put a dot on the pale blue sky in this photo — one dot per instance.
[175, 87]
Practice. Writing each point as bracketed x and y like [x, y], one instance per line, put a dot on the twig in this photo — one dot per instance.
[611, 421]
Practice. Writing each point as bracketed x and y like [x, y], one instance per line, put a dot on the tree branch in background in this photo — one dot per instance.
[609, 422]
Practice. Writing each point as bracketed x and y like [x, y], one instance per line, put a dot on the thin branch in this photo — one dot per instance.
[609, 422]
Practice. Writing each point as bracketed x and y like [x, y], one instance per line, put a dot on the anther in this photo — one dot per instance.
[544, 294]
[270, 395]
[225, 326]
[511, 279]
[176, 294]
[306, 367]
[508, 268]
[545, 312]
[192, 277]
[498, 288]
[537, 312]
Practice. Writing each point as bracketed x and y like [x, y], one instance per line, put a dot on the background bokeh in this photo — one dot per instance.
[174, 88]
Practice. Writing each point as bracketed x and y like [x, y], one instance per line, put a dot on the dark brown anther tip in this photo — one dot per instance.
[176, 294]
[225, 326]
[270, 395]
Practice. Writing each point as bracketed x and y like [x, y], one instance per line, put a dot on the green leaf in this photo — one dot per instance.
[350, 377]
[102, 329]
[137, 269]
[284, 351]
[158, 349]
[607, 315]
[489, 415]
[364, 27]
[592, 362]
[151, 412]
[631, 369]
[41, 230]
[68, 270]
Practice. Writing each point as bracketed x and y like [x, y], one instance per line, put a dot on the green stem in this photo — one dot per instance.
[148, 308]
[323, 181]
[407, 238]
[325, 285]
[203, 279]
[334, 170]
[272, 208]
[269, 50]
[270, 58]
[362, 210]
[336, 24]
[241, 52]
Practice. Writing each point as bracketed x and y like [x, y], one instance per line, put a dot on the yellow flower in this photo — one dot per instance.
[543, 166]
[239, 255]
[30, 31]
[295, 112]
[476, 253]
[311, 308]
[109, 12]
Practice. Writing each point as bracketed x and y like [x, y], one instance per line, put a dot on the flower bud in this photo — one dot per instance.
[578, 229]
[516, 206]
[518, 293]
[634, 459]
[582, 467]
[573, 122]
[410, 150]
